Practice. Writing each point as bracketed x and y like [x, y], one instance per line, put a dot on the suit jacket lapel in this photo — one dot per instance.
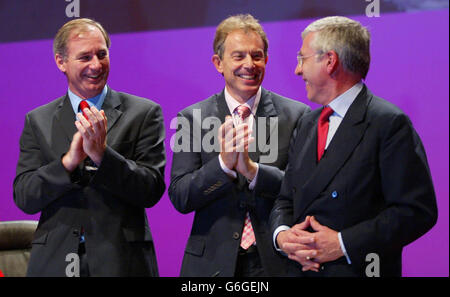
[265, 111]
[308, 147]
[111, 108]
[222, 107]
[344, 142]
[65, 119]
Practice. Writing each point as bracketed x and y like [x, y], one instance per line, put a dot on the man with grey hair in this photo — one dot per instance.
[233, 188]
[88, 170]
[358, 186]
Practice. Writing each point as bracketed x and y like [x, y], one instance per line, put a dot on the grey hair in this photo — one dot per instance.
[347, 37]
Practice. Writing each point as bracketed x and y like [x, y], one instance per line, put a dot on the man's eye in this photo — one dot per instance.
[258, 56]
[101, 55]
[85, 58]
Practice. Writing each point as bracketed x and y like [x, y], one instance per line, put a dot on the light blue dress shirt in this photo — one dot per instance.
[96, 101]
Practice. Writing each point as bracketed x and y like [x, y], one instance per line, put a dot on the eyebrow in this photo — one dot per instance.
[83, 54]
[89, 53]
[259, 51]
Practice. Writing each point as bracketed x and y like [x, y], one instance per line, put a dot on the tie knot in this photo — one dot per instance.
[243, 111]
[83, 105]
[325, 114]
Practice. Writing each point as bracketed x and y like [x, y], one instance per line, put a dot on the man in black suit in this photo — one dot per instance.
[231, 179]
[91, 176]
[358, 188]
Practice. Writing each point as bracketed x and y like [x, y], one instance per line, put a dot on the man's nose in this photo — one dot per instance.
[298, 69]
[249, 62]
[95, 63]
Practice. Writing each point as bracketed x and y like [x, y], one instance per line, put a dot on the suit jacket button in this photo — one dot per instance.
[236, 235]
[334, 194]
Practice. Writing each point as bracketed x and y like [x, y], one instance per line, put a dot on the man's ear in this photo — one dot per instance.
[217, 63]
[60, 62]
[332, 62]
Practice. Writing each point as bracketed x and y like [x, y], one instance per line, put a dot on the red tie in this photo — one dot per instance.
[83, 105]
[248, 236]
[322, 131]
[243, 111]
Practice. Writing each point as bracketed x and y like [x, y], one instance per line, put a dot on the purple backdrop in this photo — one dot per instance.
[410, 67]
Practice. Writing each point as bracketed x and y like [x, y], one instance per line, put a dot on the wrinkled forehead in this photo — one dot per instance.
[85, 40]
[307, 43]
[244, 38]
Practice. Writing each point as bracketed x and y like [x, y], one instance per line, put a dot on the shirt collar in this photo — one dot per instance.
[251, 103]
[341, 103]
[96, 101]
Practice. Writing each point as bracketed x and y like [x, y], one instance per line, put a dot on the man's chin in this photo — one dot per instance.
[93, 91]
[97, 86]
[248, 93]
[253, 88]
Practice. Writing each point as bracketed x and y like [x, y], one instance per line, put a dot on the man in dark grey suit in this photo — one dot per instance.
[229, 158]
[91, 176]
[358, 188]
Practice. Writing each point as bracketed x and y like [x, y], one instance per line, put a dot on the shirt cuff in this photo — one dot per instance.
[252, 184]
[341, 242]
[275, 234]
[229, 172]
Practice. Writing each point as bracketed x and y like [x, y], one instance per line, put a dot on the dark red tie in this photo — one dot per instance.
[243, 111]
[83, 105]
[322, 131]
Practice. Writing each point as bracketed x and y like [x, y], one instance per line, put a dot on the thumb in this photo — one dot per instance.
[315, 224]
[223, 128]
[104, 116]
[77, 138]
[306, 223]
[228, 120]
